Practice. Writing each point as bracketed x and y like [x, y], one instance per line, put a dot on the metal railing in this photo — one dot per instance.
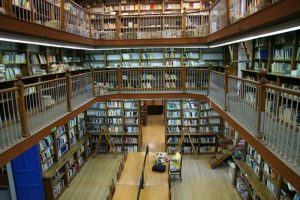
[76, 19]
[218, 16]
[44, 103]
[138, 26]
[43, 12]
[217, 88]
[10, 123]
[242, 102]
[81, 88]
[197, 24]
[281, 124]
[197, 81]
[240, 9]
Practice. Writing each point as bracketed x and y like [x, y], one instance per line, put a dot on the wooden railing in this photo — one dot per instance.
[66, 15]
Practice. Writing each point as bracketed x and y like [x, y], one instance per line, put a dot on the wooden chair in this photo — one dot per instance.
[122, 165]
[112, 188]
[119, 173]
[177, 174]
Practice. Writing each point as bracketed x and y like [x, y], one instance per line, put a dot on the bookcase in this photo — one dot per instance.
[278, 54]
[256, 179]
[123, 120]
[62, 153]
[155, 57]
[193, 116]
[144, 113]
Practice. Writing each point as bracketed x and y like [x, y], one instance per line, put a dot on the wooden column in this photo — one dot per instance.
[22, 106]
[120, 84]
[118, 25]
[183, 23]
[228, 12]
[69, 90]
[226, 73]
[90, 25]
[261, 95]
[93, 81]
[62, 15]
[7, 4]
[183, 83]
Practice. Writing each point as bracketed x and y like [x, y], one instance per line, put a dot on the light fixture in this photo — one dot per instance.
[287, 26]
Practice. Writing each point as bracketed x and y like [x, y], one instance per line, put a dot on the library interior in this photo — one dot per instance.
[149, 99]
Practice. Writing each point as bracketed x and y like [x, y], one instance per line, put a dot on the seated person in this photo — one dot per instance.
[175, 162]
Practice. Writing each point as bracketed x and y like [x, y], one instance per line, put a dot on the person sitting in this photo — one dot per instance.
[175, 162]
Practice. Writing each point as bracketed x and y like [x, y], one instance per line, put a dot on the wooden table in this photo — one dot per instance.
[156, 185]
[131, 173]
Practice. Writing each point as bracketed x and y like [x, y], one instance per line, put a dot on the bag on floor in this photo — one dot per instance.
[158, 168]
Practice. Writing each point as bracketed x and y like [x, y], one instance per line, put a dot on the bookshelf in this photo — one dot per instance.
[144, 113]
[123, 119]
[61, 157]
[130, 58]
[95, 59]
[280, 56]
[113, 59]
[195, 117]
[256, 179]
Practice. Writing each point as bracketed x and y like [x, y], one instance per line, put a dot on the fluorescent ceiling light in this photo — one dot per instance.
[44, 43]
[256, 37]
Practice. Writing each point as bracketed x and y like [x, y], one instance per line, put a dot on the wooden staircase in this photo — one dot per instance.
[104, 132]
[219, 157]
[222, 155]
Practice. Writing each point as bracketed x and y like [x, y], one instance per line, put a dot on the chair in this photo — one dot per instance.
[112, 188]
[177, 174]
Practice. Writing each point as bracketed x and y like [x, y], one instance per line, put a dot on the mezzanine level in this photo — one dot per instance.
[265, 115]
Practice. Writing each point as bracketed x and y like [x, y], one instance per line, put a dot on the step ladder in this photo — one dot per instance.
[104, 132]
[184, 133]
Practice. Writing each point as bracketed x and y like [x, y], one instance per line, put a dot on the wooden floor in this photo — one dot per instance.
[199, 181]
[154, 134]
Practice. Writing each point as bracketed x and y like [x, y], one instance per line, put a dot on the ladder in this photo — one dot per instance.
[185, 132]
[104, 132]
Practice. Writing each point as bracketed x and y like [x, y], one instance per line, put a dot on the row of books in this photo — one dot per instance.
[262, 53]
[173, 63]
[208, 139]
[37, 59]
[131, 121]
[115, 121]
[190, 122]
[114, 104]
[131, 129]
[46, 142]
[282, 53]
[173, 114]
[115, 112]
[207, 149]
[280, 67]
[131, 139]
[174, 105]
[45, 166]
[46, 154]
[13, 58]
[174, 122]
[131, 114]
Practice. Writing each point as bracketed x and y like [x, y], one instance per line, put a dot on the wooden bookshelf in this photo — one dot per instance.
[123, 120]
[193, 116]
[63, 152]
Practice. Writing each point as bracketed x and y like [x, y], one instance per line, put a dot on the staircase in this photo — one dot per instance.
[227, 150]
[219, 157]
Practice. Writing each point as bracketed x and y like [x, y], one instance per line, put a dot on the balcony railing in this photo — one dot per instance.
[67, 16]
[268, 112]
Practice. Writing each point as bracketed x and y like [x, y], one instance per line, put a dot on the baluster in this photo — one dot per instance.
[22, 109]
